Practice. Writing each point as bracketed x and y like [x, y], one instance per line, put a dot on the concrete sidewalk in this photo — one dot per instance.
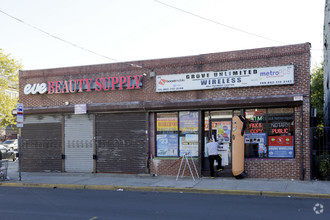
[122, 182]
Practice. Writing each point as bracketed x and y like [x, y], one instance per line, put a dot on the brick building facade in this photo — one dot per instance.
[119, 118]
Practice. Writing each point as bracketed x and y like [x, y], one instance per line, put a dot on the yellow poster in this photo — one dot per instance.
[167, 124]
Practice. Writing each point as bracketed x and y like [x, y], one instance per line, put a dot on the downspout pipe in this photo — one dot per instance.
[302, 142]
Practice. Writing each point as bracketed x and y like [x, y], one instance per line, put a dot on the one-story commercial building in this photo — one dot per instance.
[141, 117]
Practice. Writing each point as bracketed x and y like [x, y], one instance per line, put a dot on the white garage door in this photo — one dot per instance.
[78, 143]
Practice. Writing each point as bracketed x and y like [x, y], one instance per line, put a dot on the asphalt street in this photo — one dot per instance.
[36, 203]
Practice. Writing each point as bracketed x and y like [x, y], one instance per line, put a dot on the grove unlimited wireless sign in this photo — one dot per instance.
[85, 85]
[265, 76]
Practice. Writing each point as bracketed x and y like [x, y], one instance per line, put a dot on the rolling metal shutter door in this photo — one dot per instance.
[41, 143]
[121, 143]
[78, 143]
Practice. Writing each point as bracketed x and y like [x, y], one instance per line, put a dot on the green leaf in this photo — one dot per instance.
[9, 70]
[317, 94]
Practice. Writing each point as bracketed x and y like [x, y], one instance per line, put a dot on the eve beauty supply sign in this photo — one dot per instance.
[266, 76]
[87, 84]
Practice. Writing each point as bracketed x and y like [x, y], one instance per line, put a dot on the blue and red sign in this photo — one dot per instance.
[280, 147]
[20, 117]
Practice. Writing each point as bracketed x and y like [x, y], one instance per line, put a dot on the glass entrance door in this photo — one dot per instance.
[218, 127]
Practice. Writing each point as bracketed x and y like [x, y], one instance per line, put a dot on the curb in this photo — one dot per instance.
[169, 189]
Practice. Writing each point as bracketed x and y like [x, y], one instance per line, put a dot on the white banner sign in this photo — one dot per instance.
[80, 109]
[267, 76]
[20, 117]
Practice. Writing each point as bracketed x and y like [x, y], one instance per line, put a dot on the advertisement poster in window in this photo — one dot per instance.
[280, 147]
[223, 129]
[188, 121]
[259, 139]
[167, 124]
[189, 145]
[167, 145]
[255, 138]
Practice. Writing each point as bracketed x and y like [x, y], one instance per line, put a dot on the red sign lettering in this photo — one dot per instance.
[138, 80]
[80, 84]
[99, 84]
[65, 87]
[50, 87]
[72, 84]
[57, 86]
[256, 127]
[280, 131]
[122, 80]
[114, 82]
[88, 83]
[104, 84]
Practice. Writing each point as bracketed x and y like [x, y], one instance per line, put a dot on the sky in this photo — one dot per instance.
[45, 34]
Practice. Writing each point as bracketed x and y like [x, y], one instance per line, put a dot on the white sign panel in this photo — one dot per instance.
[20, 108]
[20, 116]
[20, 124]
[298, 98]
[80, 109]
[267, 76]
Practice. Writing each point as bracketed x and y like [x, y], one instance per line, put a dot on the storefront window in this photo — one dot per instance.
[280, 133]
[188, 133]
[177, 134]
[167, 134]
[255, 134]
[256, 118]
[269, 133]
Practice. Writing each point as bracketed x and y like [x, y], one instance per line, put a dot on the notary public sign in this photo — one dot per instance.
[85, 85]
[266, 76]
